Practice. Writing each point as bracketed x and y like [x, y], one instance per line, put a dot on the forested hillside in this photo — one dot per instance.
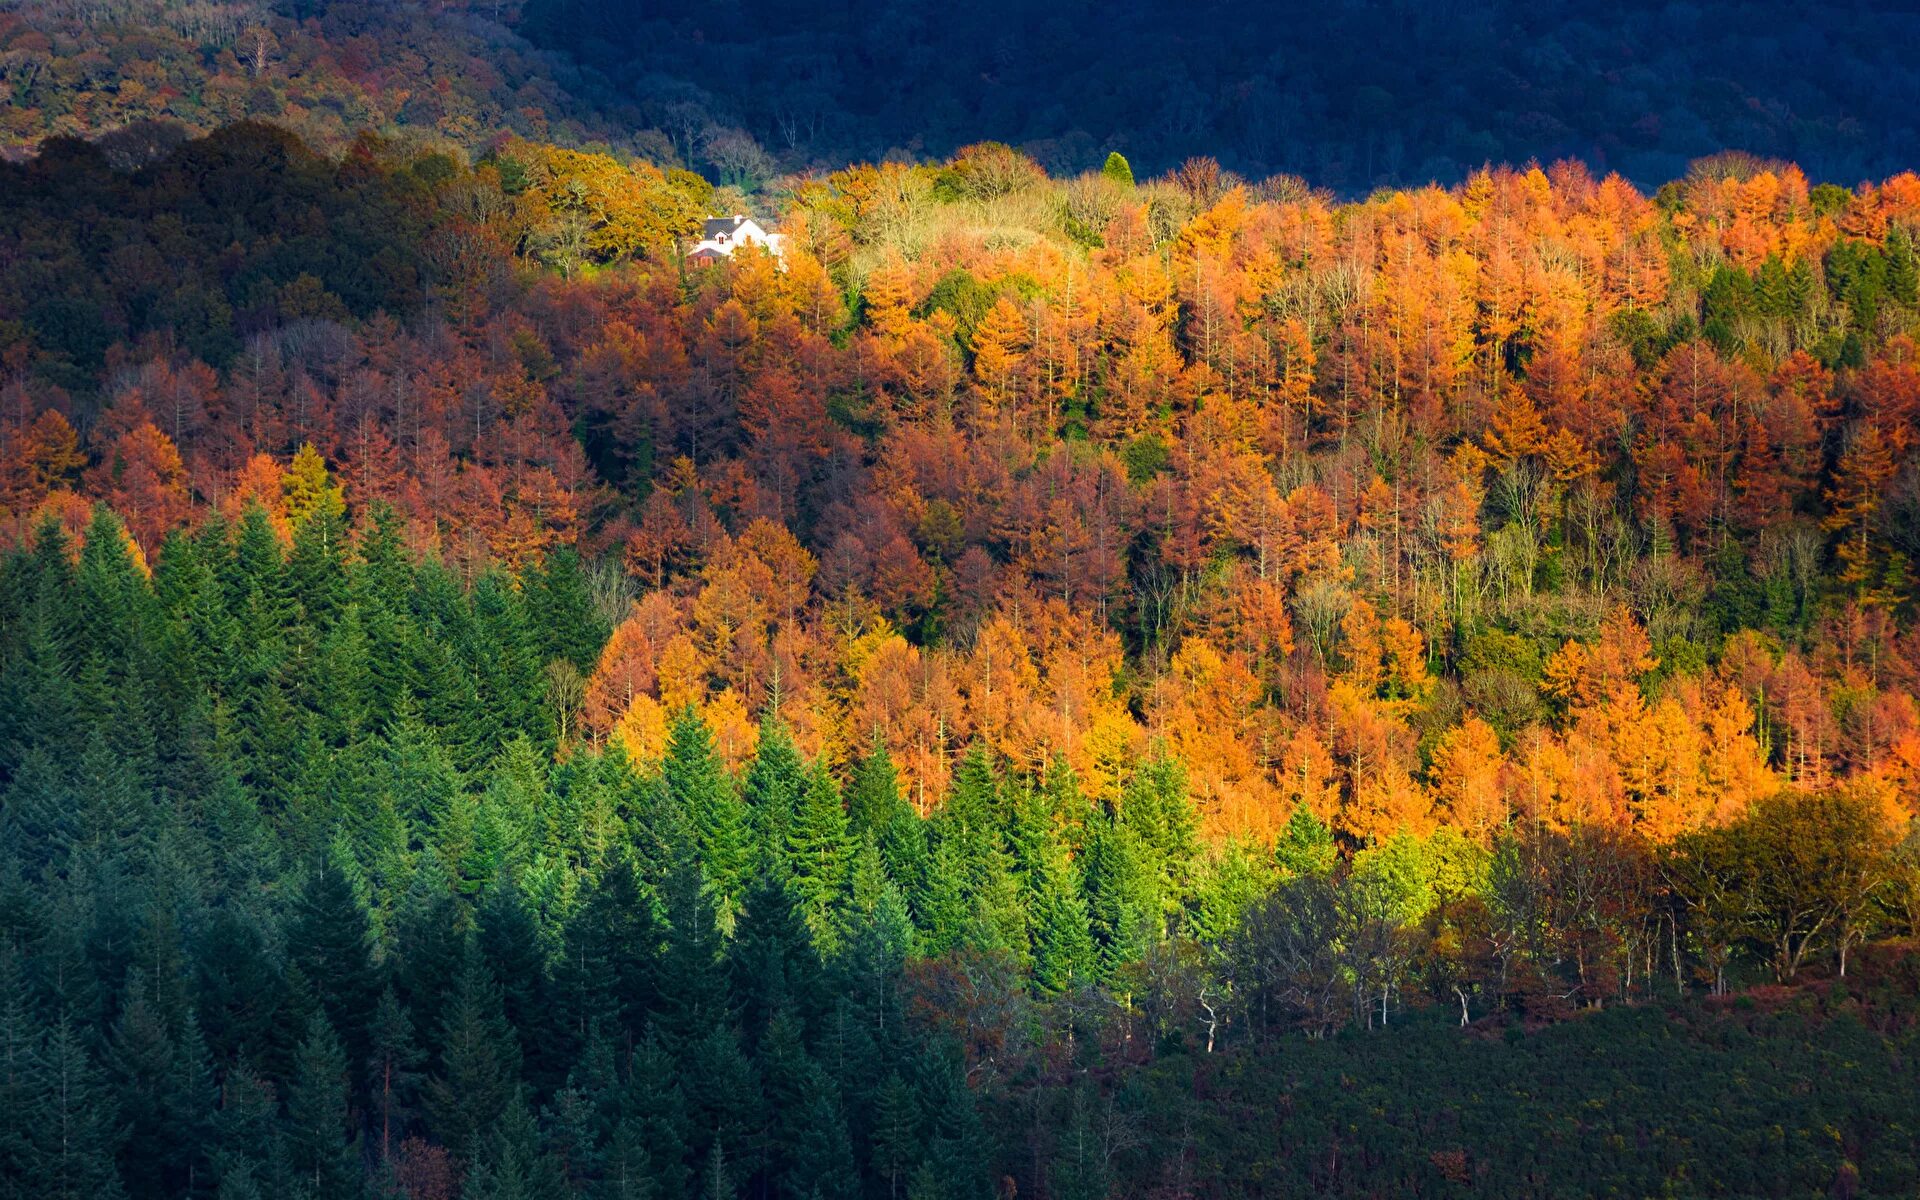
[1062, 686]
[1351, 94]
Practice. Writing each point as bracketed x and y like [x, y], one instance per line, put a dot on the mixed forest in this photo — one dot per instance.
[1061, 686]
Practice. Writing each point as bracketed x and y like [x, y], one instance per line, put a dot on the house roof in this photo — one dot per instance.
[715, 226]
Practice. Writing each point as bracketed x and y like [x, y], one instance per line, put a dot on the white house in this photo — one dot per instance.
[723, 235]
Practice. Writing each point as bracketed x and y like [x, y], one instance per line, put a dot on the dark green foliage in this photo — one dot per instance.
[330, 946]
[321, 1154]
[346, 915]
[479, 1059]
[358, 247]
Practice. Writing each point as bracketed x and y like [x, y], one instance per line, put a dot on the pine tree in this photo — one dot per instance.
[873, 794]
[513, 1166]
[720, 821]
[1305, 846]
[330, 940]
[393, 1073]
[320, 1143]
[72, 1122]
[776, 780]
[896, 1137]
[1122, 905]
[817, 850]
[1117, 169]
[479, 1059]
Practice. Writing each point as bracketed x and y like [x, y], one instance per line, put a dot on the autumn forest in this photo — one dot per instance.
[1060, 685]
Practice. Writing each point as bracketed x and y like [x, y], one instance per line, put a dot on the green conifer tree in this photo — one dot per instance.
[71, 1120]
[699, 783]
[817, 851]
[479, 1059]
[321, 1151]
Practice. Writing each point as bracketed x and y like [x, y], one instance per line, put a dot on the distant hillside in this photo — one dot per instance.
[1351, 95]
[448, 71]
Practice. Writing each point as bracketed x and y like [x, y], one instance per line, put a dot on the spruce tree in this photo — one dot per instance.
[72, 1122]
[393, 1074]
[479, 1065]
[39, 701]
[699, 784]
[817, 851]
[724, 1102]
[330, 940]
[654, 1108]
[320, 1143]
[771, 960]
[513, 1165]
[873, 794]
[604, 976]
[895, 1139]
[626, 1168]
[1305, 846]
[1122, 901]
[1156, 808]
[775, 782]
[1063, 951]
[697, 998]
[509, 940]
[237, 988]
[20, 1037]
[163, 1097]
[317, 566]
[561, 612]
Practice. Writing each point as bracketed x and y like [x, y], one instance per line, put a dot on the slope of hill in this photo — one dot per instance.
[446, 72]
[1062, 686]
[1351, 95]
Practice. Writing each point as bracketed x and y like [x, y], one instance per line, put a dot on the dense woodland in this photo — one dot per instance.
[1063, 686]
[1353, 94]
